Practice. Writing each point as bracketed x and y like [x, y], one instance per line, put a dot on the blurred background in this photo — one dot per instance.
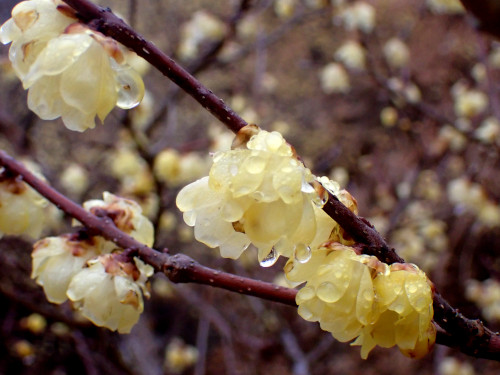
[396, 100]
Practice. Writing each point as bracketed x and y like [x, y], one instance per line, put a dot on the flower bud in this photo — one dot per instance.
[21, 208]
[126, 214]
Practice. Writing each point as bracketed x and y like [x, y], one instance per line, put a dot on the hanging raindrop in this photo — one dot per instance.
[321, 199]
[302, 253]
[270, 259]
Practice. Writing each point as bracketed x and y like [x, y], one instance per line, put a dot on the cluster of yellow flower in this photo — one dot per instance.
[58, 59]
[260, 193]
[105, 287]
[353, 295]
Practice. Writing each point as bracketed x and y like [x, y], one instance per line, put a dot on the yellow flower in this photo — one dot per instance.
[258, 193]
[70, 71]
[339, 292]
[175, 169]
[57, 259]
[108, 292]
[22, 209]
[357, 296]
[404, 301]
[127, 216]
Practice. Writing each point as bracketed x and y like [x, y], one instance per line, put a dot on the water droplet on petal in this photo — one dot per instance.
[328, 292]
[273, 141]
[255, 164]
[412, 288]
[398, 288]
[302, 253]
[258, 195]
[270, 259]
[306, 187]
[320, 199]
[233, 169]
[368, 295]
[130, 88]
[339, 273]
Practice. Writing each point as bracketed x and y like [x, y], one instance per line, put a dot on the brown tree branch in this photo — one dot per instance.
[178, 268]
[104, 21]
[469, 335]
[486, 13]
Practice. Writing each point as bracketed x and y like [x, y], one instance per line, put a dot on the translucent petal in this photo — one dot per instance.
[211, 230]
[267, 222]
[345, 329]
[90, 74]
[407, 331]
[383, 331]
[20, 213]
[366, 342]
[197, 195]
[77, 120]
[9, 32]
[57, 276]
[418, 292]
[85, 281]
[232, 211]
[48, 22]
[388, 287]
[44, 98]
[305, 294]
[57, 56]
[246, 182]
[225, 168]
[123, 285]
[234, 246]
[190, 218]
[365, 298]
[306, 229]
[23, 55]
[299, 272]
[287, 181]
[329, 292]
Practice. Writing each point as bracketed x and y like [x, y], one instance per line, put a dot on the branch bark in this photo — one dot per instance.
[470, 336]
[486, 13]
[178, 268]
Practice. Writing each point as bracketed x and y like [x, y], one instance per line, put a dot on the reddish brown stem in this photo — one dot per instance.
[104, 21]
[469, 335]
[486, 13]
[178, 268]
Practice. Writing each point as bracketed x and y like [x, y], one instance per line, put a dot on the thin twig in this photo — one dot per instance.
[178, 268]
[103, 20]
[469, 335]
[486, 13]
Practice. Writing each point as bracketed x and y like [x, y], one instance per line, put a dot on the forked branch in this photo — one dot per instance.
[469, 335]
